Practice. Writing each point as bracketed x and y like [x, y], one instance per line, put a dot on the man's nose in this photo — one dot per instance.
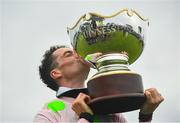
[76, 55]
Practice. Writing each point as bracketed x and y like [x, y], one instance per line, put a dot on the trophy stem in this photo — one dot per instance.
[112, 61]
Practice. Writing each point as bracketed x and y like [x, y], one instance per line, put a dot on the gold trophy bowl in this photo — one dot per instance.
[121, 38]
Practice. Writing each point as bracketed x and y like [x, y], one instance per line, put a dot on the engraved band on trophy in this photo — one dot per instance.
[121, 38]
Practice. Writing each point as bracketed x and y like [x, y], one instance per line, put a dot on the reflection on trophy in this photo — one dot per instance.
[121, 39]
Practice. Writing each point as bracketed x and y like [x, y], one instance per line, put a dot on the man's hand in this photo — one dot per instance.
[154, 98]
[80, 104]
[91, 59]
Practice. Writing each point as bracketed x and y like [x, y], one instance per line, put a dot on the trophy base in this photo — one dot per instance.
[115, 92]
[117, 104]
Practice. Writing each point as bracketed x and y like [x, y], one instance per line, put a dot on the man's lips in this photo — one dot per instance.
[84, 62]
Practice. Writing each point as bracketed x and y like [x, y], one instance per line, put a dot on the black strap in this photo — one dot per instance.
[89, 117]
[145, 117]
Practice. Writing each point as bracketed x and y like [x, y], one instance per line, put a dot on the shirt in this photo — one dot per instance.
[66, 114]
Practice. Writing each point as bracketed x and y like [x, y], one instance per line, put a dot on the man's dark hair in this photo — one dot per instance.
[47, 64]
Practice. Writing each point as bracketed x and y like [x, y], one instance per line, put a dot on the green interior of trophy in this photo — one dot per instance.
[116, 42]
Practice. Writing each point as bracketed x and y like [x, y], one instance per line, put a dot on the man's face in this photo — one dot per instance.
[70, 63]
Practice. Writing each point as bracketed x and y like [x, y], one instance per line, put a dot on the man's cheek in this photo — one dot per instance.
[66, 63]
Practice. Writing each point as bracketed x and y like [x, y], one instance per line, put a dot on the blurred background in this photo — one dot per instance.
[29, 27]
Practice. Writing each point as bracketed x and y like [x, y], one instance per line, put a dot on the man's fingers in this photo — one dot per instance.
[153, 96]
[76, 107]
[80, 104]
[84, 97]
[154, 93]
[93, 57]
[98, 54]
[149, 97]
[148, 94]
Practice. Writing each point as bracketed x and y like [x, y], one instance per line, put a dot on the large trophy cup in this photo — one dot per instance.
[121, 39]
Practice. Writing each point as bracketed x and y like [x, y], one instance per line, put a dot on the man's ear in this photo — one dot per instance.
[55, 73]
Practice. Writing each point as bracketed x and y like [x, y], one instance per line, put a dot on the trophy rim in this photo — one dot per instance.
[129, 12]
[113, 55]
[112, 73]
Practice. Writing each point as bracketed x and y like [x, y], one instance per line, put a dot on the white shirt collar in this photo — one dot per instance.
[62, 90]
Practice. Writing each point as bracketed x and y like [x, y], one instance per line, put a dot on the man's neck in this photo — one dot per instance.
[72, 83]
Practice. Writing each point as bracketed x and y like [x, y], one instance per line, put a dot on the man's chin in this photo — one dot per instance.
[86, 66]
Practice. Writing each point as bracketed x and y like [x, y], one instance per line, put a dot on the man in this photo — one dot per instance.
[64, 71]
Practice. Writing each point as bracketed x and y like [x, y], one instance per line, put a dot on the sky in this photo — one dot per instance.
[29, 27]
